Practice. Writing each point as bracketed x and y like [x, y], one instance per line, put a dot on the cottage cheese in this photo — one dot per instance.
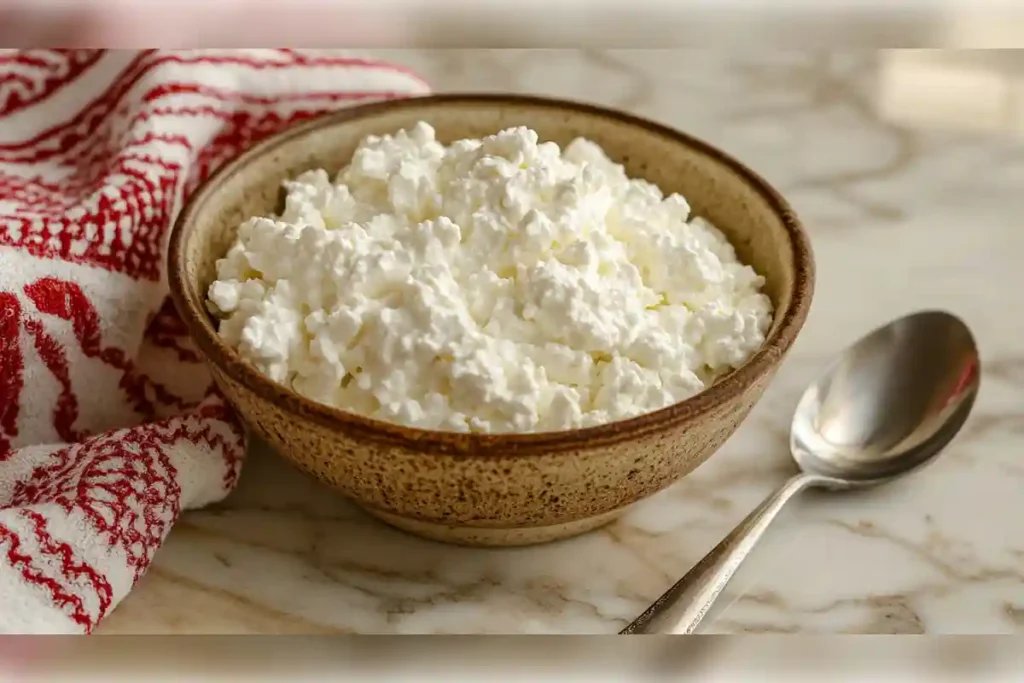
[494, 285]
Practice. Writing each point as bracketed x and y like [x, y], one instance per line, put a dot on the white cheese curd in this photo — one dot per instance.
[493, 285]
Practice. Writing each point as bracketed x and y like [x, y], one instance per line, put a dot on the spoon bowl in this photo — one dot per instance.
[890, 403]
[885, 407]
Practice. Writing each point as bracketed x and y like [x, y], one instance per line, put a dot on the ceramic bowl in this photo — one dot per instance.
[496, 490]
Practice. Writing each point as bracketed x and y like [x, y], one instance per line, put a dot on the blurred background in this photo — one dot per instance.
[524, 23]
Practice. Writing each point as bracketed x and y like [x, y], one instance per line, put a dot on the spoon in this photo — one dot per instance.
[888, 405]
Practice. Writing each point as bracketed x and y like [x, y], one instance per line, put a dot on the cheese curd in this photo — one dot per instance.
[494, 285]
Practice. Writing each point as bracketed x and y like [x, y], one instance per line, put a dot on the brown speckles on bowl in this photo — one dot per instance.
[497, 489]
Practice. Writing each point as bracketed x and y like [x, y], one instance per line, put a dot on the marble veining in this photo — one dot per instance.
[907, 207]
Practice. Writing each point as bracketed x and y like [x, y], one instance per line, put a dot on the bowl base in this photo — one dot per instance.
[491, 537]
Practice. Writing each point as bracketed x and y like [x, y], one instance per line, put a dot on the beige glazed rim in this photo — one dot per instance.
[191, 304]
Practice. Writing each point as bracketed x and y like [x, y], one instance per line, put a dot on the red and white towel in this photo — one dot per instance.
[109, 426]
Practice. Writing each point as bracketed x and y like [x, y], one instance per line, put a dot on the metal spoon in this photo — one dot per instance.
[888, 405]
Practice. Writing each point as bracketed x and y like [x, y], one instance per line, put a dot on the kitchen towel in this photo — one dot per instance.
[109, 424]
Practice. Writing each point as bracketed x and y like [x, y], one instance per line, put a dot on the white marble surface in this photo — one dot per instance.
[908, 171]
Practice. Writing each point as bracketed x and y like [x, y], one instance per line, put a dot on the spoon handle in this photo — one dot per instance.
[682, 606]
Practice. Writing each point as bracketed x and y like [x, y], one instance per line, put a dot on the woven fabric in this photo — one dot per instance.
[109, 424]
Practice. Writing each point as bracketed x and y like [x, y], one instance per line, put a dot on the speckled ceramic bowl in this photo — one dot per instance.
[500, 489]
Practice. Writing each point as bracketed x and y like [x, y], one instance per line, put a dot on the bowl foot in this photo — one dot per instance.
[491, 536]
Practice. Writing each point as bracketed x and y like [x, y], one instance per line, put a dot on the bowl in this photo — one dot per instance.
[496, 489]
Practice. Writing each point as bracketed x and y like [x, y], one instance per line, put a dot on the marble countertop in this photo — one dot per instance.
[907, 168]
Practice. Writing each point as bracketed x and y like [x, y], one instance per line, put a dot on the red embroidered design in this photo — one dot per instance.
[86, 201]
[11, 368]
[65, 411]
[168, 331]
[66, 301]
[72, 569]
[126, 486]
[31, 76]
[64, 599]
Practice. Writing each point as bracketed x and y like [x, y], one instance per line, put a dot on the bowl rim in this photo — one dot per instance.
[366, 428]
